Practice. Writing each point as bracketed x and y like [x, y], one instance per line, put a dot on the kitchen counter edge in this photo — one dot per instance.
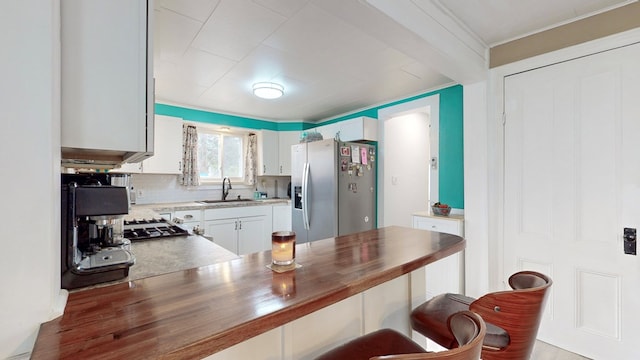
[197, 205]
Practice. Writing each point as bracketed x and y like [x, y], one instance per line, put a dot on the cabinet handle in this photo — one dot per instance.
[240, 222]
[280, 169]
[236, 225]
[188, 216]
[264, 169]
[180, 165]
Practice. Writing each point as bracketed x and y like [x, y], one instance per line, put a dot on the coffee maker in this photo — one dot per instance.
[93, 250]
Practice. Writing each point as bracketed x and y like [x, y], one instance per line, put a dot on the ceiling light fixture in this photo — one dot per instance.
[268, 90]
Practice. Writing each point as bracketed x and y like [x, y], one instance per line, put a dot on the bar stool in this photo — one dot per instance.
[512, 317]
[468, 328]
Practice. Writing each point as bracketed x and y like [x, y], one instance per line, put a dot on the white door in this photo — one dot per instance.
[572, 183]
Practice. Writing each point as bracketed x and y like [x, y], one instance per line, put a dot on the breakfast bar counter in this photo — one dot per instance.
[215, 309]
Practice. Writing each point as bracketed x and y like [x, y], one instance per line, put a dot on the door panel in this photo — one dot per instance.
[224, 233]
[298, 159]
[356, 193]
[251, 235]
[323, 190]
[572, 180]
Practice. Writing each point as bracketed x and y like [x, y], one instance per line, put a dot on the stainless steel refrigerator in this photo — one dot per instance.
[334, 189]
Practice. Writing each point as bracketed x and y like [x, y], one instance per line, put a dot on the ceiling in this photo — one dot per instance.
[331, 56]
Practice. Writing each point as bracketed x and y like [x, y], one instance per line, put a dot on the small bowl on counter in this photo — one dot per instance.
[441, 211]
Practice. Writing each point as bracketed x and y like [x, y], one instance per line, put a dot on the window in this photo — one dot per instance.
[220, 155]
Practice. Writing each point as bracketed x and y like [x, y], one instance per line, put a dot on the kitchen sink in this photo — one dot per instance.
[226, 201]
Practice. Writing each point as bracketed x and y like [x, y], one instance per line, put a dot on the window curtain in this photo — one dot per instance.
[250, 160]
[190, 175]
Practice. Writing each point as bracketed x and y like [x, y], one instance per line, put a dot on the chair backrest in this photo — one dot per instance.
[467, 327]
[517, 311]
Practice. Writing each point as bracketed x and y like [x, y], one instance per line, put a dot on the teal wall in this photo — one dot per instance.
[451, 178]
[451, 162]
[227, 120]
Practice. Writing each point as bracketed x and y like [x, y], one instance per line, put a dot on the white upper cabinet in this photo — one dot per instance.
[285, 140]
[328, 131]
[356, 129]
[268, 163]
[360, 128]
[167, 157]
[106, 81]
[274, 152]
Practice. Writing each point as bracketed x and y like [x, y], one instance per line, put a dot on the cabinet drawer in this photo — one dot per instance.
[449, 226]
[239, 211]
[188, 215]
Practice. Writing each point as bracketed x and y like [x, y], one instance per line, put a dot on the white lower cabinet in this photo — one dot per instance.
[443, 276]
[384, 306]
[188, 219]
[446, 275]
[241, 230]
[223, 232]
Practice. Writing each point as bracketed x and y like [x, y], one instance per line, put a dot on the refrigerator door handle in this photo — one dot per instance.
[305, 196]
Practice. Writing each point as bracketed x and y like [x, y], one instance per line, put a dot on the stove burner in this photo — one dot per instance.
[145, 221]
[145, 229]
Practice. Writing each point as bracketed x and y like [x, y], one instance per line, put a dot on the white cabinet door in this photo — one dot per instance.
[282, 217]
[328, 131]
[224, 233]
[105, 78]
[285, 140]
[361, 128]
[253, 235]
[268, 152]
[167, 157]
[445, 275]
[242, 229]
[243, 235]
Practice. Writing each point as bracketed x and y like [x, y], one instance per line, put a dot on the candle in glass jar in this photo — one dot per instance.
[283, 247]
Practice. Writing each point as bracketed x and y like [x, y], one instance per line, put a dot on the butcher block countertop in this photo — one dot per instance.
[193, 313]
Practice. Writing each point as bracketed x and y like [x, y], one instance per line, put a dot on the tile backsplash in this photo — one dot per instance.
[153, 189]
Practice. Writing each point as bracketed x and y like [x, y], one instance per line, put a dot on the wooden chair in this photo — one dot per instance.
[387, 344]
[512, 317]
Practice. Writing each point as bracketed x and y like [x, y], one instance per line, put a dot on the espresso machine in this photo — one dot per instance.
[93, 249]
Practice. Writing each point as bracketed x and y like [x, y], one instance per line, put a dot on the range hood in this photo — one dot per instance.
[100, 159]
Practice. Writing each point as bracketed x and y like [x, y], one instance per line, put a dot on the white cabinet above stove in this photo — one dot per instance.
[106, 81]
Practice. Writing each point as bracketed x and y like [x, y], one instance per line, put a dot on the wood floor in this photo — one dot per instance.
[544, 351]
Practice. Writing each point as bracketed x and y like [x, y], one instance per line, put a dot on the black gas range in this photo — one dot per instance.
[150, 229]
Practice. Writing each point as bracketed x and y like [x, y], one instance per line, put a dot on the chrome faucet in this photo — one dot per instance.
[225, 190]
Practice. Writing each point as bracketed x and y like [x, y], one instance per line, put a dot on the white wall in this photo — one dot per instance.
[476, 186]
[29, 146]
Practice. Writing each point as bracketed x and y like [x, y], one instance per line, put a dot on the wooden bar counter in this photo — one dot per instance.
[194, 313]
